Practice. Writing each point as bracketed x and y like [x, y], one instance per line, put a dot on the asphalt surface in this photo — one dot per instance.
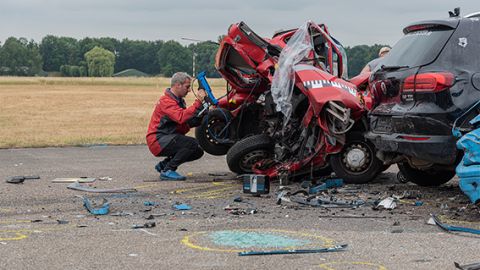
[43, 225]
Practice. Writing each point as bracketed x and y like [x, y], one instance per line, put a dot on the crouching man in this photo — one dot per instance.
[169, 123]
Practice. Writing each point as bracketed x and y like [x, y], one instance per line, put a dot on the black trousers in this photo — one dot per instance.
[180, 150]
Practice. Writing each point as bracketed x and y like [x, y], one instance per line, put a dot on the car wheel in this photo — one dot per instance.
[426, 178]
[248, 151]
[212, 131]
[356, 163]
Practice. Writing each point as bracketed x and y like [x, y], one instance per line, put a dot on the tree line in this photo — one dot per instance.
[105, 56]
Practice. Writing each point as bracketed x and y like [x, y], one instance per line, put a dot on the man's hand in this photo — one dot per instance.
[201, 94]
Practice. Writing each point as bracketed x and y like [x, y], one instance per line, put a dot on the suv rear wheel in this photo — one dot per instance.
[425, 178]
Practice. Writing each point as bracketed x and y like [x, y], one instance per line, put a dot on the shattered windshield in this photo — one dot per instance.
[297, 49]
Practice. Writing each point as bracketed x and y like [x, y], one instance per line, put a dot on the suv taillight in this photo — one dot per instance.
[428, 82]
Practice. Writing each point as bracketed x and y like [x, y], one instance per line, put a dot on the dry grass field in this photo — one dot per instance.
[39, 112]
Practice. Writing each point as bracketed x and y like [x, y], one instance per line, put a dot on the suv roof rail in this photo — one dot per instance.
[473, 15]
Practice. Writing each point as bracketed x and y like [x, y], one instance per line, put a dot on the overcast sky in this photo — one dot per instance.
[353, 22]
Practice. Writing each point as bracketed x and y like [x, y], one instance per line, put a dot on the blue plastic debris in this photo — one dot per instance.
[468, 170]
[182, 206]
[149, 203]
[451, 228]
[418, 203]
[329, 183]
[103, 210]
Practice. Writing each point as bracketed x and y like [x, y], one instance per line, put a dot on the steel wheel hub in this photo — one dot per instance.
[356, 157]
[251, 158]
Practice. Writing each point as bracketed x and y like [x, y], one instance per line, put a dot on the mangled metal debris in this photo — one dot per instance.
[293, 251]
[77, 186]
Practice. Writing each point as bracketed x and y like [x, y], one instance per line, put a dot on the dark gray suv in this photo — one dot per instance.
[430, 78]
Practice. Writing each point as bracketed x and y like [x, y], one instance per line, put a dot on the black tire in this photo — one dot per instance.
[246, 152]
[206, 134]
[425, 178]
[353, 171]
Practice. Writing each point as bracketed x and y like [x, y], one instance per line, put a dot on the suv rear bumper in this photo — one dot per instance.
[440, 149]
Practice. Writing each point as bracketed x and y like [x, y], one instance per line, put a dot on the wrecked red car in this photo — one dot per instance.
[302, 116]
[247, 62]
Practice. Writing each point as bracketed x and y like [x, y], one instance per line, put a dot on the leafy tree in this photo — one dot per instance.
[205, 57]
[138, 54]
[86, 44]
[20, 57]
[173, 57]
[359, 56]
[58, 51]
[100, 62]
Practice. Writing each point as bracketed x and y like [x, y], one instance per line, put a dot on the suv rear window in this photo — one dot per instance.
[418, 47]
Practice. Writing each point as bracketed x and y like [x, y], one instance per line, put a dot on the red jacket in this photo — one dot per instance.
[170, 118]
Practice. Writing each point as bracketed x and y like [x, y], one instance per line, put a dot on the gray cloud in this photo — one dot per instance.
[352, 22]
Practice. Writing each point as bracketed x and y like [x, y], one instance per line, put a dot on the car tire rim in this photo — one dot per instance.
[251, 158]
[356, 158]
[214, 126]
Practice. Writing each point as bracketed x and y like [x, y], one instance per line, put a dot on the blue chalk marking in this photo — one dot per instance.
[241, 239]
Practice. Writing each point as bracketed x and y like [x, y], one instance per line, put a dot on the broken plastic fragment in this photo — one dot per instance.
[103, 210]
[182, 206]
[388, 203]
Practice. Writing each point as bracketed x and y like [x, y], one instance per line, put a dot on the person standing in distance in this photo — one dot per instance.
[374, 63]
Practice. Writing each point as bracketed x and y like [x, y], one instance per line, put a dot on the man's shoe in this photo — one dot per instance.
[172, 176]
[161, 166]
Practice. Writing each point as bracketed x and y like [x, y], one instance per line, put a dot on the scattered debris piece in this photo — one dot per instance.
[146, 225]
[21, 178]
[320, 201]
[105, 178]
[387, 203]
[218, 174]
[335, 216]
[77, 186]
[182, 206]
[293, 251]
[103, 210]
[238, 199]
[150, 203]
[472, 266]
[121, 214]
[152, 216]
[82, 179]
[397, 231]
[326, 184]
[61, 222]
[239, 211]
[418, 203]
[36, 220]
[434, 220]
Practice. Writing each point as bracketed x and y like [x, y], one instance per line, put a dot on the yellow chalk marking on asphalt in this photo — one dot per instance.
[444, 219]
[188, 242]
[14, 221]
[19, 234]
[211, 193]
[215, 184]
[326, 266]
[145, 186]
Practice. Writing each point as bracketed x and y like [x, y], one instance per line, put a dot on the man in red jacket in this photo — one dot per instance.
[170, 121]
